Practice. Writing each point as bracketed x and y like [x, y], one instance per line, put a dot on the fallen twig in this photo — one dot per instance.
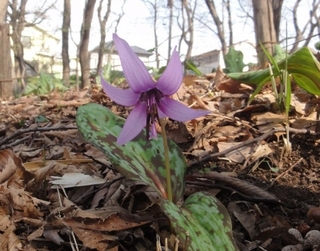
[285, 172]
[249, 142]
[37, 129]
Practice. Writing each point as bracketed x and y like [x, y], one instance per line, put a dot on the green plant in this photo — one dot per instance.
[279, 53]
[112, 76]
[43, 84]
[234, 61]
[302, 67]
[189, 65]
[202, 222]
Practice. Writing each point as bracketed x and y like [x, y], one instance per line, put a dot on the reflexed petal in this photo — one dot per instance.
[161, 114]
[134, 70]
[153, 132]
[123, 97]
[178, 111]
[171, 79]
[134, 124]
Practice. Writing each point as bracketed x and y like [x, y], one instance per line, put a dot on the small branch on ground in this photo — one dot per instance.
[285, 172]
[251, 141]
[37, 129]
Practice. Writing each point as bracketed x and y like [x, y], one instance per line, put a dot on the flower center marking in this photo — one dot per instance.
[152, 98]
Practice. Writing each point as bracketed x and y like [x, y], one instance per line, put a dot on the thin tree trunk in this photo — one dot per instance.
[84, 42]
[265, 29]
[102, 32]
[170, 5]
[6, 83]
[227, 4]
[156, 42]
[17, 23]
[190, 29]
[65, 42]
[219, 25]
[276, 9]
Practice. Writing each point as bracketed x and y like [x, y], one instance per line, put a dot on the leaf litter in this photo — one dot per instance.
[58, 192]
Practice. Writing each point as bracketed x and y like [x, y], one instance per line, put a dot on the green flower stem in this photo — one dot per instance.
[166, 158]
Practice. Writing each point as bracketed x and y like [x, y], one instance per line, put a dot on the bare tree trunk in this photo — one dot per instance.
[170, 5]
[102, 32]
[65, 42]
[154, 6]
[6, 83]
[265, 30]
[313, 15]
[276, 9]
[189, 30]
[84, 42]
[156, 42]
[3, 11]
[219, 25]
[17, 22]
[227, 4]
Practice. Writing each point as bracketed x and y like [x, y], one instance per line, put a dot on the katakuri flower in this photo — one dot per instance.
[150, 99]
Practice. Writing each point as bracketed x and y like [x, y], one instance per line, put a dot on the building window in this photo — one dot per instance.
[26, 42]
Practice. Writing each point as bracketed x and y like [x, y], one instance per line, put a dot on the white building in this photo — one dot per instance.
[41, 51]
[111, 56]
[208, 61]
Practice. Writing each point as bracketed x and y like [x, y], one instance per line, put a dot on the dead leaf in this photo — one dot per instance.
[107, 220]
[8, 164]
[75, 180]
[37, 233]
[95, 239]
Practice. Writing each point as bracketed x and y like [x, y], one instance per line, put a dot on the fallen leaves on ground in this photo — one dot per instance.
[58, 192]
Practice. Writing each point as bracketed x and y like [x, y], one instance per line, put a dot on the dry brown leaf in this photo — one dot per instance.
[233, 86]
[268, 120]
[178, 132]
[105, 219]
[9, 241]
[94, 239]
[261, 151]
[22, 204]
[5, 222]
[35, 234]
[219, 76]
[237, 156]
[8, 164]
[247, 219]
[76, 103]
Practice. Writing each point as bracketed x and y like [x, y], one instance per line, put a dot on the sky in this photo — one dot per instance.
[136, 27]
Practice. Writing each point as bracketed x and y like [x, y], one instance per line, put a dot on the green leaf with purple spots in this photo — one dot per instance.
[139, 159]
[202, 223]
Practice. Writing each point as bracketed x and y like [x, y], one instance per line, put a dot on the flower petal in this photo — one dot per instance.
[125, 97]
[171, 79]
[134, 70]
[134, 124]
[178, 111]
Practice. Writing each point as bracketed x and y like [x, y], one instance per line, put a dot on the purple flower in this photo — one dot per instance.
[151, 100]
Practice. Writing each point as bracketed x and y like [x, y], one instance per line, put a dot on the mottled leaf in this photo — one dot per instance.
[202, 223]
[139, 159]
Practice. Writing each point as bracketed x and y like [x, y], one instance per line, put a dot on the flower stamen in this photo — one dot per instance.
[152, 98]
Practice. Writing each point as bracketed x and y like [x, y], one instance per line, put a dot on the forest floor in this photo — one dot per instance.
[240, 151]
